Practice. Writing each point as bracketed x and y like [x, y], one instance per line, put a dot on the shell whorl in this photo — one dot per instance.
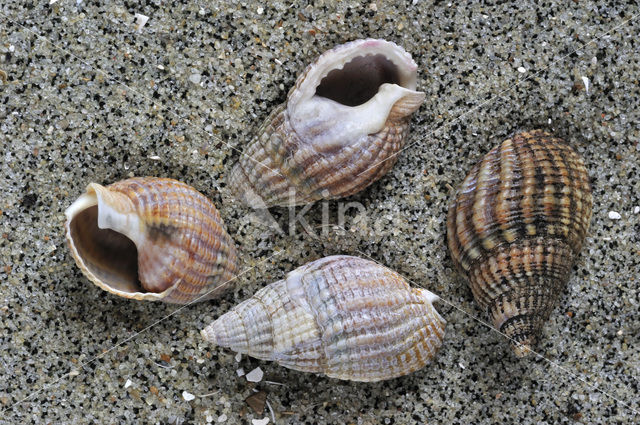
[343, 316]
[151, 239]
[515, 228]
[338, 132]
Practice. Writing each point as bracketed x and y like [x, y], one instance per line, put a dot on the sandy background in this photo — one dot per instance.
[98, 101]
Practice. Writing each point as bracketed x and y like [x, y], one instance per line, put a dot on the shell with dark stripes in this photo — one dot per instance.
[516, 226]
[342, 316]
[151, 239]
[340, 130]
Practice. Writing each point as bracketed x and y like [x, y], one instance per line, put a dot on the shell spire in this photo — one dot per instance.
[340, 129]
[151, 239]
[342, 316]
[515, 228]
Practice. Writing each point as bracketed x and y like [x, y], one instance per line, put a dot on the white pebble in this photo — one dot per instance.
[613, 215]
[141, 20]
[154, 157]
[240, 372]
[238, 357]
[222, 418]
[255, 375]
[209, 418]
[260, 10]
[195, 78]
[585, 80]
[188, 396]
[128, 383]
[263, 421]
[636, 210]
[522, 69]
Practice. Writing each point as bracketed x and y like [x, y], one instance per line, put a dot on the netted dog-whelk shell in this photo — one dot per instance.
[151, 239]
[339, 130]
[516, 226]
[342, 316]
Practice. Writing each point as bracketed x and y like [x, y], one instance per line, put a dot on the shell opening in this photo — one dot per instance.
[109, 256]
[359, 80]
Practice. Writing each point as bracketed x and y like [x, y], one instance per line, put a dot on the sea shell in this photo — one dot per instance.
[342, 316]
[515, 228]
[340, 129]
[151, 239]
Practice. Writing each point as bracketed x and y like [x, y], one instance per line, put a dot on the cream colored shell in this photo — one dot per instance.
[342, 316]
[340, 129]
[151, 239]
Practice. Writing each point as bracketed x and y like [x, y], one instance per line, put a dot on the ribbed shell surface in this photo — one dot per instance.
[185, 251]
[518, 222]
[342, 316]
[285, 164]
[280, 168]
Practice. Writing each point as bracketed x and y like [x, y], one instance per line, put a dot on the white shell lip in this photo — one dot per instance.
[390, 76]
[87, 200]
[338, 57]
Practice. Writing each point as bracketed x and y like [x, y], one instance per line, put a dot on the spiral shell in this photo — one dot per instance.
[515, 228]
[342, 316]
[151, 239]
[340, 129]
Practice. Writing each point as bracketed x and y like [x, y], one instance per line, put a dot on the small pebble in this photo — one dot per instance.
[188, 396]
[195, 78]
[238, 357]
[636, 210]
[585, 80]
[263, 421]
[240, 372]
[522, 69]
[141, 20]
[260, 10]
[222, 418]
[613, 215]
[128, 383]
[255, 375]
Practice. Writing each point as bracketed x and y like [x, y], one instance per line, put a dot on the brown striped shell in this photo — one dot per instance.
[340, 129]
[516, 226]
[342, 316]
[151, 239]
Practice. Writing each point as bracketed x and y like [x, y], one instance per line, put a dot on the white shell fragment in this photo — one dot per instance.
[255, 375]
[263, 421]
[585, 80]
[141, 20]
[340, 130]
[614, 215]
[343, 316]
[188, 396]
